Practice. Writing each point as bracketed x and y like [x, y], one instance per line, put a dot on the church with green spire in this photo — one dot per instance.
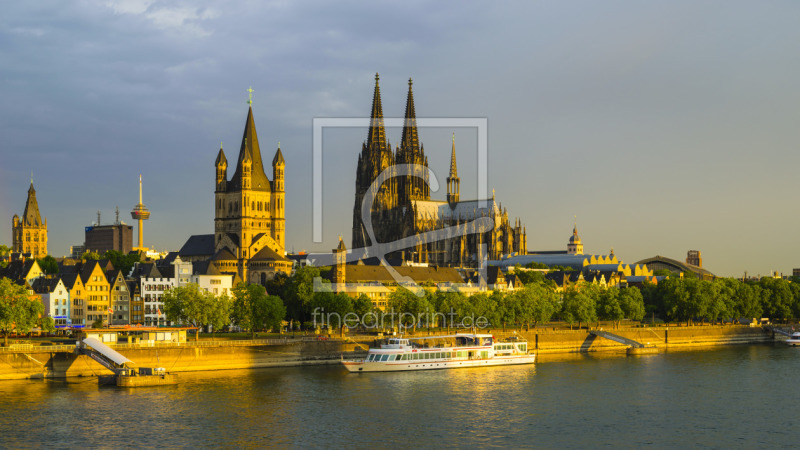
[403, 208]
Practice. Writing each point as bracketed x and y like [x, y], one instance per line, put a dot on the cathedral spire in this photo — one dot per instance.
[453, 167]
[410, 140]
[453, 181]
[377, 134]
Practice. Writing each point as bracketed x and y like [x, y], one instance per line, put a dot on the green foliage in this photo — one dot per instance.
[121, 261]
[632, 303]
[47, 324]
[331, 309]
[298, 293]
[580, 305]
[536, 265]
[19, 312]
[90, 255]
[362, 305]
[277, 285]
[98, 323]
[413, 309]
[188, 304]
[529, 276]
[254, 310]
[4, 250]
[48, 264]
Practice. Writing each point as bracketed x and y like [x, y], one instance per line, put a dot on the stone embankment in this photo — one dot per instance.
[63, 361]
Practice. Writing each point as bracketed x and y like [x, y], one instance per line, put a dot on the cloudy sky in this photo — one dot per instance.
[664, 126]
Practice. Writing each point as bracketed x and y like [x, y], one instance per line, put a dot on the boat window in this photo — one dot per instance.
[371, 358]
[384, 357]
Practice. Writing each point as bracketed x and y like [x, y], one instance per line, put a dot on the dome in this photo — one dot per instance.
[575, 239]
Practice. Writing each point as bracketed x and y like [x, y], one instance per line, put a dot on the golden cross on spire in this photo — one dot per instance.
[250, 100]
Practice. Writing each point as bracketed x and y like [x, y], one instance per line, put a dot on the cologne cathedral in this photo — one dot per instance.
[402, 205]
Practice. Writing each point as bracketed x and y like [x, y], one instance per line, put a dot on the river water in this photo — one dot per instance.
[739, 396]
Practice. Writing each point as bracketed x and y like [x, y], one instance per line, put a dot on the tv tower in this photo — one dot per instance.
[140, 213]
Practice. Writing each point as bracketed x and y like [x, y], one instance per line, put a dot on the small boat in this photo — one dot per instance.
[794, 339]
[469, 350]
[146, 376]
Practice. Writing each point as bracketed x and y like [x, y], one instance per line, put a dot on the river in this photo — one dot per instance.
[738, 396]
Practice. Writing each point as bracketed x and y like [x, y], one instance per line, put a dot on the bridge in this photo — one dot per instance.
[778, 331]
[617, 338]
[104, 355]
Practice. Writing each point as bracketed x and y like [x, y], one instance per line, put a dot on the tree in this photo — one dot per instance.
[121, 261]
[776, 297]
[412, 309]
[48, 264]
[545, 301]
[579, 306]
[19, 311]
[454, 309]
[190, 305]
[299, 293]
[632, 303]
[87, 255]
[332, 308]
[609, 306]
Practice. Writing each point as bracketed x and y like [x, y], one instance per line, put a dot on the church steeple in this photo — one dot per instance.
[250, 150]
[376, 138]
[453, 181]
[410, 140]
[31, 216]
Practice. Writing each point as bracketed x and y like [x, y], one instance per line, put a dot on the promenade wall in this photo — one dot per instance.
[62, 361]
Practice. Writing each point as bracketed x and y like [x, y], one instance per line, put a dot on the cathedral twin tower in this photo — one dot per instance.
[402, 205]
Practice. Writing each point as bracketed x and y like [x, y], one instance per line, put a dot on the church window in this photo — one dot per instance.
[254, 205]
[28, 237]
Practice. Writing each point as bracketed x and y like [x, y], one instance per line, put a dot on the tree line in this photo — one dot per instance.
[690, 299]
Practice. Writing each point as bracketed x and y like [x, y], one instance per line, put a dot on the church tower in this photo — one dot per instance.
[575, 247]
[453, 181]
[249, 208]
[375, 157]
[414, 186]
[278, 195]
[29, 234]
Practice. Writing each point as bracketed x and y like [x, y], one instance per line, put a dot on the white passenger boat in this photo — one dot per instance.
[794, 339]
[470, 350]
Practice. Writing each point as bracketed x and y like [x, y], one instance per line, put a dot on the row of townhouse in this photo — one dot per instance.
[83, 293]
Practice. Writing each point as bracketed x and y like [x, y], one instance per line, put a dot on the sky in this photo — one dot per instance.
[660, 126]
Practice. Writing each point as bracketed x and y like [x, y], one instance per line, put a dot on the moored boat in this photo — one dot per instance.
[468, 350]
[794, 339]
[146, 377]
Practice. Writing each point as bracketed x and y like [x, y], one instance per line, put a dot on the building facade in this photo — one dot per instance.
[403, 208]
[29, 232]
[102, 238]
